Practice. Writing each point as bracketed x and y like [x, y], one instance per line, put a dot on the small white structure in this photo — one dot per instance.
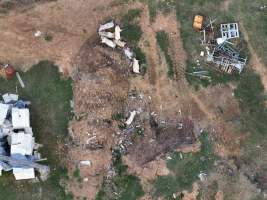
[136, 67]
[108, 42]
[107, 34]
[131, 118]
[220, 40]
[3, 112]
[120, 43]
[128, 53]
[22, 144]
[37, 33]
[230, 30]
[117, 32]
[10, 97]
[23, 173]
[106, 26]
[20, 118]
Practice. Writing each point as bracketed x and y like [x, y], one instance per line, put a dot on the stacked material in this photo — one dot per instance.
[110, 34]
[16, 138]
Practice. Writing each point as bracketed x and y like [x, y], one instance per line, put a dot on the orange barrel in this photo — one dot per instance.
[10, 72]
[198, 22]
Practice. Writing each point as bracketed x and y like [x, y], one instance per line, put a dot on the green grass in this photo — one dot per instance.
[185, 170]
[251, 97]
[50, 96]
[76, 173]
[163, 42]
[131, 15]
[132, 33]
[156, 6]
[255, 23]
[122, 186]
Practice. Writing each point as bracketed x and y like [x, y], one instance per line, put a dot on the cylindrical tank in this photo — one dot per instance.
[10, 72]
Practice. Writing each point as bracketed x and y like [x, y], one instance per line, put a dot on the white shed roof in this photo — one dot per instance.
[20, 118]
[10, 97]
[22, 143]
[23, 173]
[3, 112]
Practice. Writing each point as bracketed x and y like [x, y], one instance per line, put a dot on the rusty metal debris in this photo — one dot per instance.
[221, 51]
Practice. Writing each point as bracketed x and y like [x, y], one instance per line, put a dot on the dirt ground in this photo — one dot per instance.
[69, 22]
[102, 80]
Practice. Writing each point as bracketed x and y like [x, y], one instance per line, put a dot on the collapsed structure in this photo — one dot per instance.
[18, 150]
[113, 40]
[219, 50]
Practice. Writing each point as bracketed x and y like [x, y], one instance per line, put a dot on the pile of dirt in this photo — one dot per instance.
[100, 88]
[162, 138]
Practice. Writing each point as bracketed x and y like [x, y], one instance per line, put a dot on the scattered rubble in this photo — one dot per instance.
[18, 150]
[219, 50]
[113, 39]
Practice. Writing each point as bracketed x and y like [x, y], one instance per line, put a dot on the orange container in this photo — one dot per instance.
[198, 22]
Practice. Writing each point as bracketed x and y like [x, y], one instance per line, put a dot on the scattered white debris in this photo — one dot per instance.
[131, 118]
[120, 43]
[85, 179]
[107, 34]
[20, 80]
[106, 26]
[3, 113]
[10, 97]
[113, 39]
[202, 53]
[37, 33]
[117, 32]
[136, 67]
[108, 42]
[220, 40]
[202, 176]
[85, 163]
[181, 156]
[128, 53]
[169, 157]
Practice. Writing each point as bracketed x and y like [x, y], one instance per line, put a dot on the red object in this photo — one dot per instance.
[10, 72]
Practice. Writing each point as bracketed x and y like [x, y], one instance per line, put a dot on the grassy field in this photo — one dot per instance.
[255, 23]
[186, 169]
[50, 96]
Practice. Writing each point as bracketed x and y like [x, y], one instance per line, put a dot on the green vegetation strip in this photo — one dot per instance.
[185, 169]
[163, 42]
[50, 96]
[132, 33]
[122, 186]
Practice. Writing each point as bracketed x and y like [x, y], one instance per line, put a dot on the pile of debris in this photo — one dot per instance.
[110, 34]
[18, 150]
[219, 50]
